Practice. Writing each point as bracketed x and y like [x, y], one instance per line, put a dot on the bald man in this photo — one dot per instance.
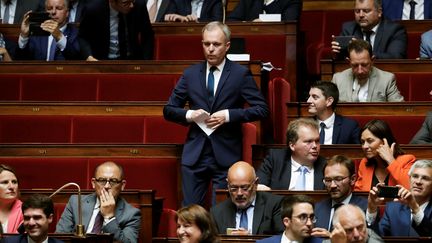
[248, 211]
[350, 226]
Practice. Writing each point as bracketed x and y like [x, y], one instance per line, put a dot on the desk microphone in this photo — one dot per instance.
[223, 11]
[80, 227]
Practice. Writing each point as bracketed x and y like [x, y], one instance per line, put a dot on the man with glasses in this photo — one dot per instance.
[411, 212]
[339, 179]
[104, 211]
[350, 227]
[116, 30]
[298, 218]
[247, 211]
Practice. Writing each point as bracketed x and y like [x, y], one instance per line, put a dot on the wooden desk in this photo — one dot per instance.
[329, 67]
[144, 199]
[91, 238]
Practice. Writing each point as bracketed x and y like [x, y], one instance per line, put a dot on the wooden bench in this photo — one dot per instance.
[142, 199]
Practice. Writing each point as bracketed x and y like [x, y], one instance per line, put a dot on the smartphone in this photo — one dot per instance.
[35, 20]
[388, 191]
[343, 40]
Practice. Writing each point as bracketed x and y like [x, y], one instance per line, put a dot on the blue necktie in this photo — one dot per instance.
[210, 84]
[6, 12]
[301, 180]
[412, 10]
[52, 50]
[322, 132]
[244, 219]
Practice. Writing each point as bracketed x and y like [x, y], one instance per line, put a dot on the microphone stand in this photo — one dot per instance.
[223, 11]
[80, 227]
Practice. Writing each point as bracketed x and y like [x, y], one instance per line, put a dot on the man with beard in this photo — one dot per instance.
[38, 212]
[247, 211]
[298, 218]
[299, 167]
[411, 212]
[339, 179]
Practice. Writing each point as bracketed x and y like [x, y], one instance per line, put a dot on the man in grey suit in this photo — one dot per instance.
[16, 10]
[424, 135]
[426, 45]
[363, 82]
[247, 211]
[104, 211]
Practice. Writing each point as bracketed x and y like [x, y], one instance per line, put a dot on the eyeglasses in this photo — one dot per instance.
[337, 180]
[304, 217]
[243, 188]
[104, 181]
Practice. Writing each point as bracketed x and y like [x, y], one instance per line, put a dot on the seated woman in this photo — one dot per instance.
[10, 206]
[384, 161]
[194, 224]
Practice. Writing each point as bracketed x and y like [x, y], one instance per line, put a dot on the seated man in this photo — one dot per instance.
[426, 45]
[104, 211]
[407, 9]
[334, 128]
[298, 218]
[250, 10]
[363, 82]
[299, 167]
[38, 211]
[157, 9]
[424, 135]
[12, 11]
[388, 39]
[350, 227]
[411, 213]
[194, 11]
[248, 211]
[61, 41]
[339, 179]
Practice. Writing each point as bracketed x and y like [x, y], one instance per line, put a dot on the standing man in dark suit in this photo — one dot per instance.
[339, 180]
[388, 39]
[247, 10]
[61, 41]
[116, 30]
[259, 210]
[104, 210]
[194, 11]
[334, 128]
[38, 212]
[411, 213]
[299, 167]
[401, 9]
[16, 10]
[216, 91]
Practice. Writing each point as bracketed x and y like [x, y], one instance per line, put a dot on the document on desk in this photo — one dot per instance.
[201, 123]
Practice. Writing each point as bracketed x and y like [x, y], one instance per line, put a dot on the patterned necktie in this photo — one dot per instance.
[6, 12]
[322, 132]
[152, 11]
[210, 84]
[301, 180]
[97, 227]
[412, 3]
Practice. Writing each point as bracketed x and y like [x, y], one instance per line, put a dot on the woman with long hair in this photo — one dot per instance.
[385, 162]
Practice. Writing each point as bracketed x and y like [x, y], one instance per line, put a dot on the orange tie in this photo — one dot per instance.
[152, 11]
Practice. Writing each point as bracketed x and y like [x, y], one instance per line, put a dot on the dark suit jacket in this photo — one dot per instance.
[22, 238]
[392, 9]
[390, 40]
[236, 87]
[22, 7]
[37, 46]
[323, 208]
[248, 10]
[275, 171]
[211, 9]
[266, 217]
[397, 221]
[345, 131]
[95, 31]
[424, 135]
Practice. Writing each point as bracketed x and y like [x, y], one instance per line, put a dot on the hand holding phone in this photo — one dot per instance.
[35, 21]
[343, 41]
